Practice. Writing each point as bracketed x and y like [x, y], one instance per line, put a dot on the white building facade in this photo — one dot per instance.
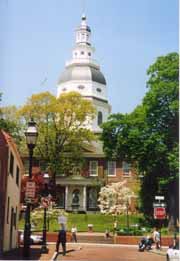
[11, 171]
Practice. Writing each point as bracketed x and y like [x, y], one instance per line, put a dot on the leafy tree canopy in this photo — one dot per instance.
[9, 121]
[61, 126]
[148, 136]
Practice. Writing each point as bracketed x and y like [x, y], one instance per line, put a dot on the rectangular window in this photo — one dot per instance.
[11, 166]
[111, 168]
[93, 168]
[126, 168]
[17, 176]
[15, 218]
[8, 210]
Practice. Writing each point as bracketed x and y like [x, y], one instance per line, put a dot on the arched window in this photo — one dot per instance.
[92, 198]
[75, 197]
[100, 118]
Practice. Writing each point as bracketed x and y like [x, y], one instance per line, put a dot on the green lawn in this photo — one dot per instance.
[100, 222]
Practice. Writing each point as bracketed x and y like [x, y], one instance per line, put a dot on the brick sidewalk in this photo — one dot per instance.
[102, 252]
[84, 251]
[35, 254]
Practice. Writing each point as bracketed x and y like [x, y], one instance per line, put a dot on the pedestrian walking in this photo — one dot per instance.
[107, 235]
[156, 238]
[115, 226]
[74, 231]
[61, 239]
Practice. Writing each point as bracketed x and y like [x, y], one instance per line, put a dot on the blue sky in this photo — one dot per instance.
[37, 37]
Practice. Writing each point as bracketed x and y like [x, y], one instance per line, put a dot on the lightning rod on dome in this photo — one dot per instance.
[83, 2]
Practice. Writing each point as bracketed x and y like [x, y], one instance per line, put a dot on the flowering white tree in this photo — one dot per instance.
[53, 213]
[114, 198]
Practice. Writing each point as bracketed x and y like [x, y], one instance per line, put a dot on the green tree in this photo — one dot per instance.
[148, 136]
[61, 126]
[9, 121]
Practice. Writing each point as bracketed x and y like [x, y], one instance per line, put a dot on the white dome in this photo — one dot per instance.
[82, 72]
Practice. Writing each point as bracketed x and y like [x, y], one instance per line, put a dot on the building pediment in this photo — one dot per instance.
[78, 180]
[95, 149]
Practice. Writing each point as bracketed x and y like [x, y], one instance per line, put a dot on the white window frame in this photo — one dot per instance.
[93, 171]
[111, 166]
[126, 173]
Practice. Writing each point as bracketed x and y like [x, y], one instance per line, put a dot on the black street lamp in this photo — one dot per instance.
[45, 201]
[31, 138]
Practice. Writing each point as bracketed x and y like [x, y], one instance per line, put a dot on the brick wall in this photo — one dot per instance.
[134, 240]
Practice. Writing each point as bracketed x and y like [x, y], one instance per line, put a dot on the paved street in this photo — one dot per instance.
[108, 253]
[89, 252]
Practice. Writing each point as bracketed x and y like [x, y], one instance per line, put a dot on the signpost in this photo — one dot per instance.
[30, 190]
[46, 201]
[159, 211]
[159, 198]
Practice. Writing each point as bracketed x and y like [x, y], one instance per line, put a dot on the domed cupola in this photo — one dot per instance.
[82, 73]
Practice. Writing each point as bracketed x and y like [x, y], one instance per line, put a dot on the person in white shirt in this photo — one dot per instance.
[156, 238]
[74, 231]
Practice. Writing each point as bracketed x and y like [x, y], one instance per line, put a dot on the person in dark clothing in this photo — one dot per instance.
[61, 239]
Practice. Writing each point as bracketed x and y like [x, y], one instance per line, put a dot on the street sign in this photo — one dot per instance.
[29, 200]
[159, 205]
[30, 189]
[159, 197]
[159, 213]
[45, 201]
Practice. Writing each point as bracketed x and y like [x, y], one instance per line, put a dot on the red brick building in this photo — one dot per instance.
[79, 191]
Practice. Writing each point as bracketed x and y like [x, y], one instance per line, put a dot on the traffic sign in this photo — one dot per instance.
[159, 205]
[159, 197]
[45, 201]
[159, 213]
[29, 200]
[30, 189]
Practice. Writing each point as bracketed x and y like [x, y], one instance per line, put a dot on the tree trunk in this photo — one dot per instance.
[173, 206]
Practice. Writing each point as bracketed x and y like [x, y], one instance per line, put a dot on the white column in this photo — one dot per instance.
[66, 197]
[84, 198]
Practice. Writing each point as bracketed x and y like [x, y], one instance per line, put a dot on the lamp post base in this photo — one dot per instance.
[44, 249]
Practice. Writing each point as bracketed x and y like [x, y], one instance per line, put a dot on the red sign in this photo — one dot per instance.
[30, 189]
[159, 213]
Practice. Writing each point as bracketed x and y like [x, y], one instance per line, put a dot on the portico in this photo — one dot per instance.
[77, 193]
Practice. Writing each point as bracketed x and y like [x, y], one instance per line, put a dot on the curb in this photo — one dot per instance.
[54, 256]
[103, 244]
[160, 253]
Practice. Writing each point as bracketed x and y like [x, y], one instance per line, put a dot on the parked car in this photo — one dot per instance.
[34, 239]
[173, 253]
